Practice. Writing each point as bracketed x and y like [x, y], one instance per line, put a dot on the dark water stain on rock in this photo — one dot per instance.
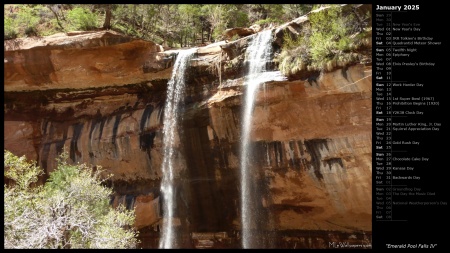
[334, 160]
[75, 154]
[313, 147]
[146, 136]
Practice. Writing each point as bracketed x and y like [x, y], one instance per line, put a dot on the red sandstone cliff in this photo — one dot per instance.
[101, 95]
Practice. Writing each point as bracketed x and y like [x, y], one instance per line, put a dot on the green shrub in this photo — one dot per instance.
[10, 28]
[329, 35]
[267, 21]
[28, 20]
[325, 43]
[71, 210]
[82, 19]
[296, 51]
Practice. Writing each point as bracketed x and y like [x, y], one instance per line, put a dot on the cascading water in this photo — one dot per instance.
[258, 55]
[175, 98]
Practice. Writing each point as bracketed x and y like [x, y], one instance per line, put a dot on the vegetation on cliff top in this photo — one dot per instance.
[71, 210]
[173, 25]
[332, 37]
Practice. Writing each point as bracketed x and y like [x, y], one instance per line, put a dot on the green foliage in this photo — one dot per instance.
[50, 27]
[328, 41]
[10, 28]
[292, 11]
[71, 210]
[20, 170]
[190, 29]
[268, 21]
[82, 19]
[216, 14]
[237, 17]
[218, 32]
[61, 178]
[28, 19]
[295, 55]
[183, 25]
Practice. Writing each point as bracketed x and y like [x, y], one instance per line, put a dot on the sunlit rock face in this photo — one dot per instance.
[314, 148]
[80, 61]
[101, 96]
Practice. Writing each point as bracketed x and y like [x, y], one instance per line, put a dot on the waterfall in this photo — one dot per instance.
[258, 55]
[171, 140]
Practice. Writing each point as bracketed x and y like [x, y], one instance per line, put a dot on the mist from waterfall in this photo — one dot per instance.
[171, 143]
[258, 55]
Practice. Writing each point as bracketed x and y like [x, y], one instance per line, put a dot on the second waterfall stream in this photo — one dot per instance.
[259, 54]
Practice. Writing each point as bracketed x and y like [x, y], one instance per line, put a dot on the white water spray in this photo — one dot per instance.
[175, 98]
[258, 55]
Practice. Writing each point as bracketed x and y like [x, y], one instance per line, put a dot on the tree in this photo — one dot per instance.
[190, 25]
[216, 16]
[169, 23]
[108, 15]
[71, 210]
[55, 9]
